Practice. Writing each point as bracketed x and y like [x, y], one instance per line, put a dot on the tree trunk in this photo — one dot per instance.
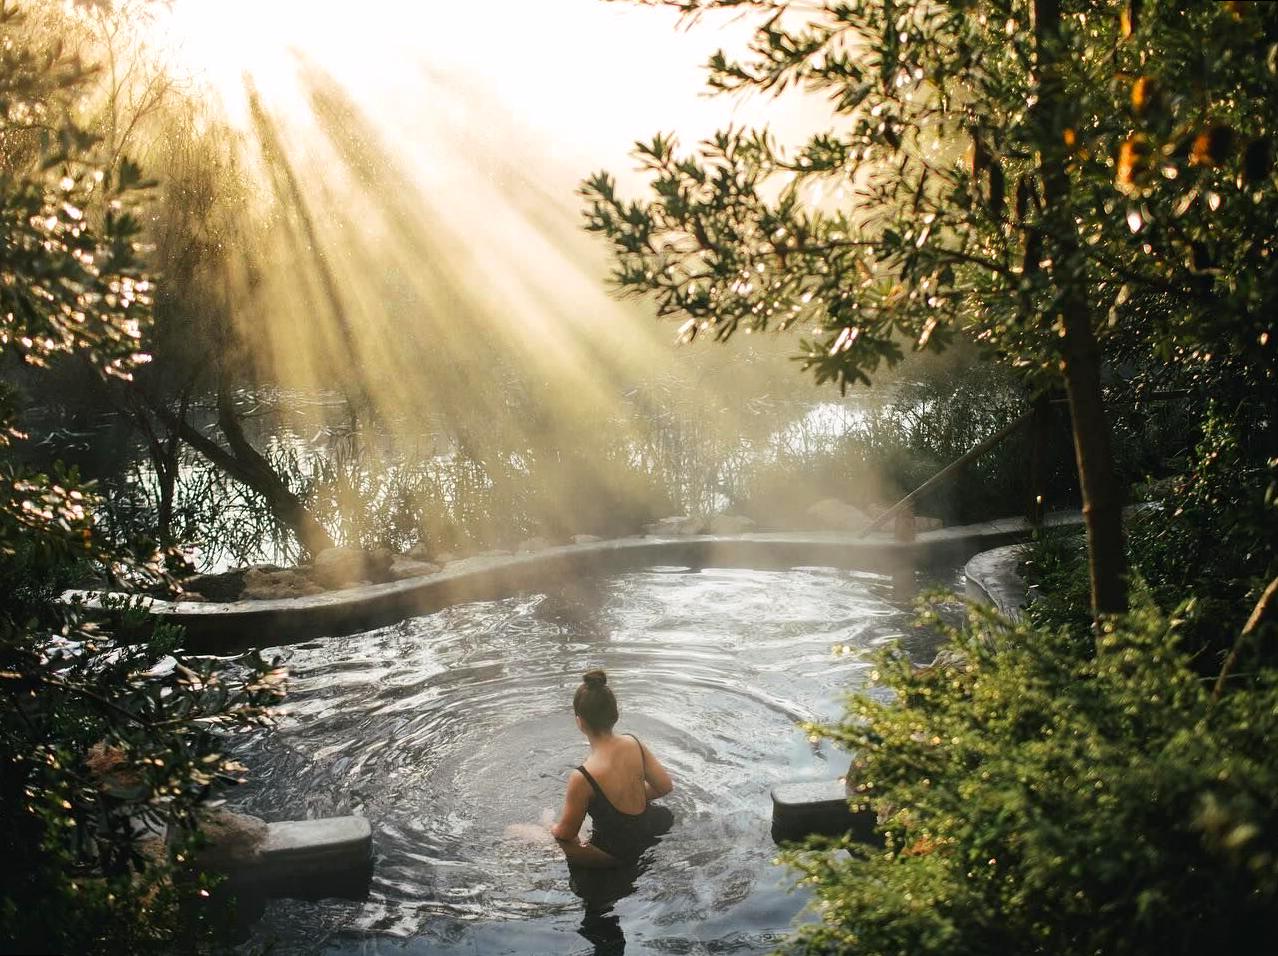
[1102, 499]
[247, 466]
[286, 505]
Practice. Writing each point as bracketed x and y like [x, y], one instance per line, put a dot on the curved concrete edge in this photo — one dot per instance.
[994, 578]
[222, 627]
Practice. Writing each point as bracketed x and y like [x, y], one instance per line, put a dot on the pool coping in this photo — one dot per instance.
[212, 626]
[994, 578]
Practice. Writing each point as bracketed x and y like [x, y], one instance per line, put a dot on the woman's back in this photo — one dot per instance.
[618, 770]
[620, 831]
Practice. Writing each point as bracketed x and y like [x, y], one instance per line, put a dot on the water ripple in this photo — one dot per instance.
[445, 729]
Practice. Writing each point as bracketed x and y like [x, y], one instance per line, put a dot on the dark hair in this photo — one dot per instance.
[594, 702]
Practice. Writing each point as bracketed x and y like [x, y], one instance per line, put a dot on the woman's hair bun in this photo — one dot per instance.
[595, 678]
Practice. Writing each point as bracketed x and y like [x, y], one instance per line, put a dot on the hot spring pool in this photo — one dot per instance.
[444, 729]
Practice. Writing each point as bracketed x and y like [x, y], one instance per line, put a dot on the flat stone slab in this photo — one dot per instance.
[222, 627]
[318, 843]
[818, 808]
[310, 859]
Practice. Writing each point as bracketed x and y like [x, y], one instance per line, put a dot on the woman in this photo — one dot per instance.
[615, 787]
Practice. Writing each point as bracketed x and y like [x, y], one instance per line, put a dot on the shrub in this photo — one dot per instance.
[1048, 795]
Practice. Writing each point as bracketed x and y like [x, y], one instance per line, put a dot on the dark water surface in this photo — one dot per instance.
[445, 729]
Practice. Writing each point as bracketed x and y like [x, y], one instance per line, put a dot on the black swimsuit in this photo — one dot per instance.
[619, 834]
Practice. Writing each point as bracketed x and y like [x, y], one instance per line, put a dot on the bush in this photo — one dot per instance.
[1050, 796]
[106, 740]
[1206, 551]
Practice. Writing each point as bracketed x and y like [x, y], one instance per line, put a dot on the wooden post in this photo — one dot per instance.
[903, 526]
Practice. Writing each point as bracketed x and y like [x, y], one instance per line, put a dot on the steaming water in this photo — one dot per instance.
[445, 729]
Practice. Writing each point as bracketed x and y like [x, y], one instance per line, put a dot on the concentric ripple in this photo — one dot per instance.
[445, 729]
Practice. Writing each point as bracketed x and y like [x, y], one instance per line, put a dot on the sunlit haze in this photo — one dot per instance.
[410, 234]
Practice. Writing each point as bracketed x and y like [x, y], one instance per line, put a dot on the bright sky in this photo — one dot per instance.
[439, 146]
[583, 78]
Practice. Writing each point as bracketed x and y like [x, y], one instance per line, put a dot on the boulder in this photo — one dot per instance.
[835, 515]
[926, 523]
[262, 584]
[676, 525]
[421, 551]
[585, 538]
[403, 567]
[342, 567]
[731, 524]
[109, 767]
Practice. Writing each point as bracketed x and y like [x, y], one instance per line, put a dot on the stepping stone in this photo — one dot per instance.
[311, 859]
[818, 808]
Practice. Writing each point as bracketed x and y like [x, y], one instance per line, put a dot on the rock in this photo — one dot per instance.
[676, 525]
[403, 567]
[190, 597]
[585, 538]
[534, 544]
[926, 523]
[341, 567]
[232, 840]
[837, 515]
[731, 524]
[224, 586]
[810, 807]
[446, 557]
[418, 552]
[272, 585]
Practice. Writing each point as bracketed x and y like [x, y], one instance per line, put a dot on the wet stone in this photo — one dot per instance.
[340, 567]
[838, 515]
[403, 567]
[676, 525]
[731, 524]
[817, 808]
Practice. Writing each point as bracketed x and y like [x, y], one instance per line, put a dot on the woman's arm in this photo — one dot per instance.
[566, 828]
[576, 799]
[656, 781]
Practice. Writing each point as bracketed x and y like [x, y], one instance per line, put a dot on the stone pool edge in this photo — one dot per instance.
[994, 578]
[235, 625]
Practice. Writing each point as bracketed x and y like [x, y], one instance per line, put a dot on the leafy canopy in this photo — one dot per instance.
[922, 210]
[107, 738]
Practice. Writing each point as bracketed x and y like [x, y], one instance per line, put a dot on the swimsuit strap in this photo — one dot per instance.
[643, 761]
[593, 783]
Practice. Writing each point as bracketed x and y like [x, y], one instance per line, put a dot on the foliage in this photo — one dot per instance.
[66, 284]
[106, 739]
[1219, 537]
[1037, 176]
[1051, 795]
[1212, 537]
[1054, 565]
[942, 223]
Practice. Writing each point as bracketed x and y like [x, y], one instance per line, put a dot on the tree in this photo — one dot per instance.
[106, 738]
[1036, 175]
